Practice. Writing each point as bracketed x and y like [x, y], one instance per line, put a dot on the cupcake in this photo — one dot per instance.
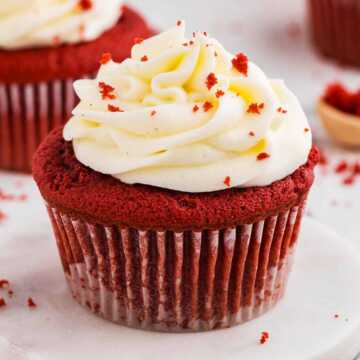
[176, 190]
[44, 46]
[339, 111]
[335, 28]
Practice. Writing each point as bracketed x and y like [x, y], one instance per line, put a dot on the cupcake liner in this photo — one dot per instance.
[335, 26]
[28, 112]
[177, 281]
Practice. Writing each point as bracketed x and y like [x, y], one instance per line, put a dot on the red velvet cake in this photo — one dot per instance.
[176, 190]
[335, 27]
[36, 92]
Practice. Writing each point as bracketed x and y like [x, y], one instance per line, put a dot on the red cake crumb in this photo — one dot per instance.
[219, 94]
[262, 156]
[255, 108]
[105, 58]
[106, 91]
[306, 130]
[113, 108]
[207, 106]
[4, 284]
[323, 160]
[2, 216]
[350, 180]
[10, 293]
[241, 63]
[227, 181]
[211, 81]
[342, 99]
[251, 133]
[341, 167]
[264, 337]
[336, 316]
[195, 108]
[179, 22]
[144, 58]
[85, 4]
[281, 110]
[2, 303]
[153, 113]
[31, 303]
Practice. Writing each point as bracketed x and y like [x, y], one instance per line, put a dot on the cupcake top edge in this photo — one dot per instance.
[39, 23]
[185, 114]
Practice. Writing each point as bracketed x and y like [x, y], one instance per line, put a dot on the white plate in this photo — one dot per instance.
[323, 284]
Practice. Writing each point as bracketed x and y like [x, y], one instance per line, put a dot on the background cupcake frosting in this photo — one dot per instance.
[31, 23]
[185, 115]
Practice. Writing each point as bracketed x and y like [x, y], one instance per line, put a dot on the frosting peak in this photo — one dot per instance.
[187, 115]
[32, 23]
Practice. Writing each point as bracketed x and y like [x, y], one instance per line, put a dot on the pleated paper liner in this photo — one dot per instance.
[28, 112]
[335, 26]
[178, 281]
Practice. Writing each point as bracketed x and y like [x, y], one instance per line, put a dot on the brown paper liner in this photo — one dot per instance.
[335, 26]
[28, 112]
[177, 281]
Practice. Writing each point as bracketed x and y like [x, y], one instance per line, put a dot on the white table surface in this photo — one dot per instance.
[260, 29]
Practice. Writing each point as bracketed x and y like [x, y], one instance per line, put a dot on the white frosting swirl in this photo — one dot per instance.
[158, 139]
[34, 23]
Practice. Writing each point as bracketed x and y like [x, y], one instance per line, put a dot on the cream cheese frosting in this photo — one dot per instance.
[34, 23]
[187, 115]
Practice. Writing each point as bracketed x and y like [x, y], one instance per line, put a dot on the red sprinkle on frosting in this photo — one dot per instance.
[306, 130]
[251, 133]
[262, 156]
[85, 4]
[31, 303]
[56, 40]
[264, 337]
[113, 108]
[144, 58]
[241, 63]
[153, 113]
[227, 181]
[195, 108]
[106, 91]
[281, 110]
[219, 93]
[255, 108]
[179, 22]
[105, 58]
[207, 106]
[211, 81]
[2, 303]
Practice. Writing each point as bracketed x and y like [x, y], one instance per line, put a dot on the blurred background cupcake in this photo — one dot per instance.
[45, 45]
[335, 26]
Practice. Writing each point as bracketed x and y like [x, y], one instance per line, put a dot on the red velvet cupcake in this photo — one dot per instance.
[176, 191]
[335, 26]
[43, 49]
